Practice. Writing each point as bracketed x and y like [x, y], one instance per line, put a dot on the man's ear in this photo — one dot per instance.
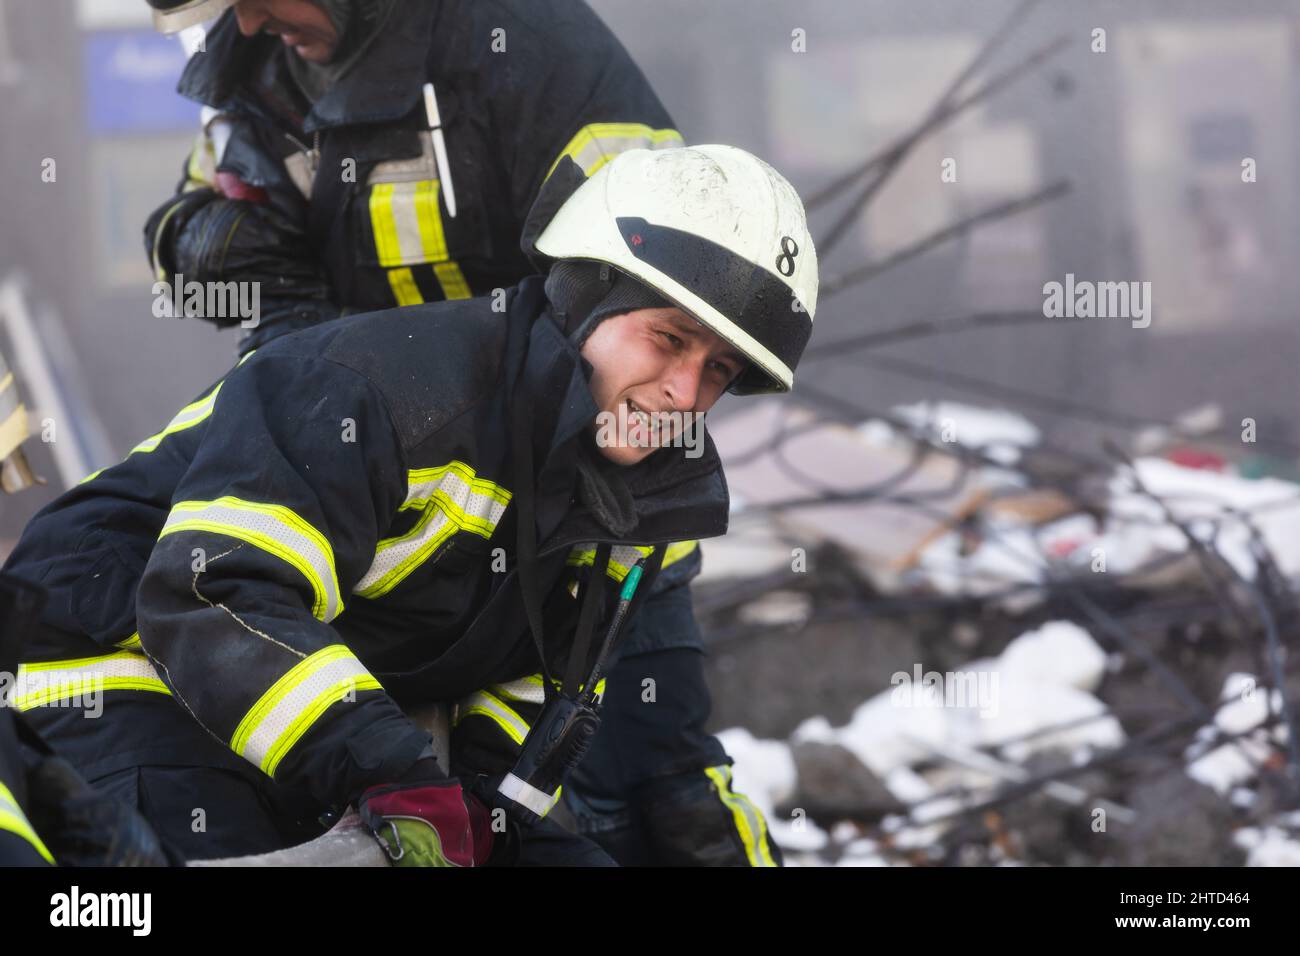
[555, 192]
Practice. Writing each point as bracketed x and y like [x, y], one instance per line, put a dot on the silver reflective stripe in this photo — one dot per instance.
[293, 704]
[407, 223]
[749, 822]
[621, 558]
[527, 689]
[49, 682]
[15, 821]
[276, 530]
[187, 417]
[454, 499]
[526, 795]
[482, 702]
[396, 558]
[597, 143]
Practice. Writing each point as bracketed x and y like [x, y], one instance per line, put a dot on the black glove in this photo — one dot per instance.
[206, 237]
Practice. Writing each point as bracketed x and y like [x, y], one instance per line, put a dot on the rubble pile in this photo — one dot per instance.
[1021, 672]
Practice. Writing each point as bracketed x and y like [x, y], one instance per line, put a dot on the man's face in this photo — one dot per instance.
[654, 361]
[301, 25]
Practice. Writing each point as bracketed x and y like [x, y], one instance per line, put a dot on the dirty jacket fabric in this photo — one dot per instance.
[519, 84]
[310, 546]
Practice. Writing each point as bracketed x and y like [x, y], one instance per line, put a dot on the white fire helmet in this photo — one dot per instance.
[173, 16]
[716, 231]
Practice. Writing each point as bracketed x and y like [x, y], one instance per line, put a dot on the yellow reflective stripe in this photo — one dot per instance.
[276, 530]
[132, 641]
[597, 143]
[424, 484]
[396, 558]
[454, 499]
[526, 689]
[621, 558]
[452, 280]
[15, 821]
[407, 223]
[384, 225]
[749, 821]
[405, 291]
[529, 690]
[48, 682]
[428, 219]
[495, 709]
[189, 416]
[678, 550]
[202, 166]
[295, 702]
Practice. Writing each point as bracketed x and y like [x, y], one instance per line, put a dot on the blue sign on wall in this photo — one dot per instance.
[131, 83]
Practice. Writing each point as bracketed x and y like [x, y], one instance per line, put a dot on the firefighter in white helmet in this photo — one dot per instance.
[424, 505]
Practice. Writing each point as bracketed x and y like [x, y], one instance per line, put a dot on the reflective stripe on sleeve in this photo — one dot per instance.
[678, 550]
[527, 689]
[15, 821]
[187, 417]
[192, 414]
[49, 682]
[454, 499]
[597, 143]
[294, 703]
[621, 558]
[495, 709]
[749, 821]
[276, 530]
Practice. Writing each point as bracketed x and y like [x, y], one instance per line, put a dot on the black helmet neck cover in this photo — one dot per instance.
[583, 294]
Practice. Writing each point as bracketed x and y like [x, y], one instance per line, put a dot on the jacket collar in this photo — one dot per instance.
[384, 85]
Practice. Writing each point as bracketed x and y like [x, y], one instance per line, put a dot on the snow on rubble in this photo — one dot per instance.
[1041, 681]
[1090, 713]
